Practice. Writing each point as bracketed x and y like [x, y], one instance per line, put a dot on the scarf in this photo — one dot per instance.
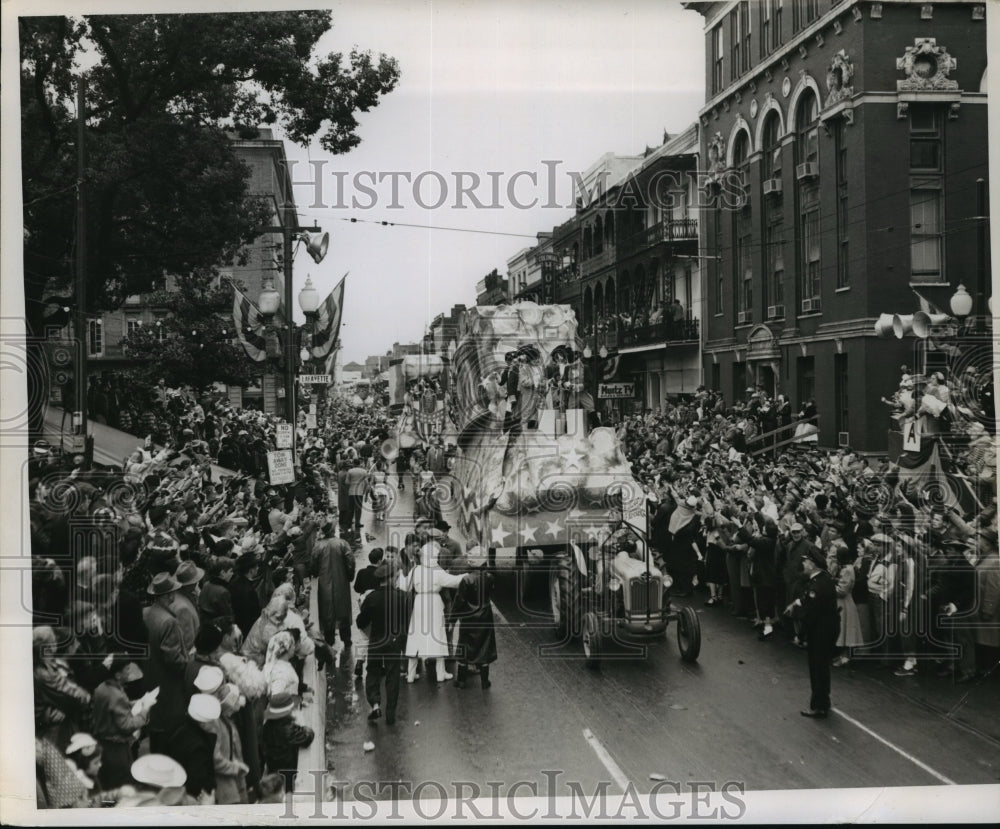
[680, 518]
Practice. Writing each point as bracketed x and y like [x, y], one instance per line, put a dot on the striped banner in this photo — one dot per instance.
[249, 325]
[328, 322]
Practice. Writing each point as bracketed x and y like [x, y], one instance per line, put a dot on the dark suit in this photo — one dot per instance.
[820, 618]
[168, 657]
[386, 612]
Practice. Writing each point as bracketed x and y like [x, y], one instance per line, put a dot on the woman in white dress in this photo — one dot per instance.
[426, 638]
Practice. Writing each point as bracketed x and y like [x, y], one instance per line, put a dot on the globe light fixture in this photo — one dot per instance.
[961, 302]
[308, 298]
[269, 300]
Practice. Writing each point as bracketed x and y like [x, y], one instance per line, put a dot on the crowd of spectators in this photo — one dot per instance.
[912, 546]
[170, 604]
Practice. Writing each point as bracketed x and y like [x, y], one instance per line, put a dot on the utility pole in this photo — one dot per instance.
[291, 357]
[81, 332]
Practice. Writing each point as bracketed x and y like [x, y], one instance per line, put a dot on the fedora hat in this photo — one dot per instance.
[188, 573]
[159, 770]
[162, 584]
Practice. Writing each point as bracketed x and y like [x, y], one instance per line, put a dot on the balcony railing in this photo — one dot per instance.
[588, 267]
[668, 230]
[618, 333]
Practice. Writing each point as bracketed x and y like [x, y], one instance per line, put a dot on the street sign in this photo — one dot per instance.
[311, 420]
[283, 436]
[616, 391]
[323, 379]
[280, 467]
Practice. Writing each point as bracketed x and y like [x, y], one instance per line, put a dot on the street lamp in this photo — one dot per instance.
[961, 302]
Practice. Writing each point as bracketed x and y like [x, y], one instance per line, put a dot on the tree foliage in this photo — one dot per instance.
[166, 192]
[195, 344]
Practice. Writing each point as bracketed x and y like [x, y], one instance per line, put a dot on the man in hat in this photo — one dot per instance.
[789, 554]
[161, 546]
[197, 676]
[385, 612]
[243, 589]
[194, 747]
[215, 602]
[953, 596]
[189, 576]
[167, 659]
[819, 614]
[333, 565]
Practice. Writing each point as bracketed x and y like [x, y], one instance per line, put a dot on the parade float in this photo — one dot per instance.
[548, 496]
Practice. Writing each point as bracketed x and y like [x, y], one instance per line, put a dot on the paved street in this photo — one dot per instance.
[733, 716]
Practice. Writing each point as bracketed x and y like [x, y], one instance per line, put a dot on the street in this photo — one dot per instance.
[733, 716]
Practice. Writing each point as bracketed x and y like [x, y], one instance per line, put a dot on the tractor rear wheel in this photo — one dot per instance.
[565, 597]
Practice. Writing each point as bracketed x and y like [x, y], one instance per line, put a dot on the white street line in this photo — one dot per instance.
[609, 762]
[895, 748]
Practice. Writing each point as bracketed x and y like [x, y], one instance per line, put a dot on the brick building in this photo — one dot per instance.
[843, 141]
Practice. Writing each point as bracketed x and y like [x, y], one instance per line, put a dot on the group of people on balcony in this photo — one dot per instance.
[673, 315]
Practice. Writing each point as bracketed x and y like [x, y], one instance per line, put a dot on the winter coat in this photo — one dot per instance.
[851, 634]
[763, 572]
[282, 739]
[426, 635]
[333, 566]
[113, 720]
[245, 602]
[187, 614]
[230, 779]
[194, 748]
[385, 612]
[216, 603]
[57, 696]
[168, 656]
[473, 611]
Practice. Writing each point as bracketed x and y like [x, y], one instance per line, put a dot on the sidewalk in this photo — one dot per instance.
[111, 446]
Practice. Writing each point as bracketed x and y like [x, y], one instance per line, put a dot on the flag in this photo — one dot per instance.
[249, 325]
[327, 326]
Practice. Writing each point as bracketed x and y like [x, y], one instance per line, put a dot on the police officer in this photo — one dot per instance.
[816, 607]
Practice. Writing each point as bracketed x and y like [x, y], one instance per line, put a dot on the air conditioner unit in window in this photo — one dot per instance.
[843, 438]
[810, 305]
[772, 187]
[807, 170]
[743, 317]
[775, 311]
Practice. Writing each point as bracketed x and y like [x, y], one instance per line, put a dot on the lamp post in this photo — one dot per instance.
[317, 244]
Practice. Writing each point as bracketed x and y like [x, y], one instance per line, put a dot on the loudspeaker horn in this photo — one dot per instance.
[902, 324]
[923, 323]
[883, 325]
[316, 246]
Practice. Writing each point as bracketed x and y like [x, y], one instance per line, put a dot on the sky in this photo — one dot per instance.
[488, 90]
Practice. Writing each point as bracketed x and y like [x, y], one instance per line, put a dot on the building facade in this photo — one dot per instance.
[843, 142]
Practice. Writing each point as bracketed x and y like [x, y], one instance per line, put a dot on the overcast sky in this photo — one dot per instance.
[488, 89]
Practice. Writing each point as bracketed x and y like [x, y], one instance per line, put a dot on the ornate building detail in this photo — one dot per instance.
[837, 27]
[753, 108]
[839, 76]
[927, 12]
[784, 64]
[803, 51]
[819, 39]
[979, 12]
[876, 11]
[857, 14]
[927, 66]
[716, 157]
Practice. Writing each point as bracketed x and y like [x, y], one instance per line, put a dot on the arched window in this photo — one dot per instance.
[741, 160]
[609, 228]
[588, 243]
[807, 128]
[770, 161]
[598, 304]
[598, 235]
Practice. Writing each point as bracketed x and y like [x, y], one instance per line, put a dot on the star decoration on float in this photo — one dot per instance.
[528, 532]
[552, 528]
[499, 534]
[573, 458]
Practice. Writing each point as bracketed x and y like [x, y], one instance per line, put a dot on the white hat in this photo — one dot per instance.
[204, 708]
[691, 501]
[209, 679]
[159, 770]
[81, 741]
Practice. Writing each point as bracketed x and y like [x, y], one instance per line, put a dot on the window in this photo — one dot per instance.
[806, 376]
[771, 151]
[95, 338]
[804, 12]
[735, 43]
[925, 139]
[807, 201]
[774, 282]
[765, 27]
[743, 263]
[840, 149]
[132, 325]
[160, 326]
[810, 260]
[745, 28]
[776, 24]
[716, 260]
[739, 381]
[925, 232]
[841, 407]
[716, 377]
[718, 58]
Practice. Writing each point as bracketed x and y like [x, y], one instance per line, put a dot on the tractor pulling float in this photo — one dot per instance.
[550, 498]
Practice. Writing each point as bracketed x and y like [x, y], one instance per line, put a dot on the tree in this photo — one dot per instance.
[195, 344]
[165, 190]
